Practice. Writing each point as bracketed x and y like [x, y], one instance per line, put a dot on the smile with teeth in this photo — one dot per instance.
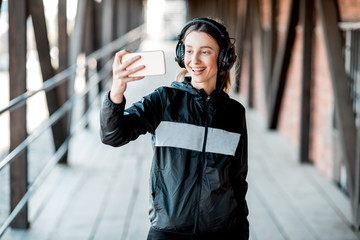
[198, 70]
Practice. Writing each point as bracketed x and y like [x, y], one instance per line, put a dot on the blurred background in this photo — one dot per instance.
[297, 73]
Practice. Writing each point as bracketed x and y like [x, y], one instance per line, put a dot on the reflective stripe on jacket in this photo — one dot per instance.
[198, 174]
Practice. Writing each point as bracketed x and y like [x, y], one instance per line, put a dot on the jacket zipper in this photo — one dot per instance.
[206, 122]
[203, 160]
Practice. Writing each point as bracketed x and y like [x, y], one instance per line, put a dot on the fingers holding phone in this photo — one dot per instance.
[121, 75]
[129, 67]
[121, 65]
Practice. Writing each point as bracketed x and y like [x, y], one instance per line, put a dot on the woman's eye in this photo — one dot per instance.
[205, 52]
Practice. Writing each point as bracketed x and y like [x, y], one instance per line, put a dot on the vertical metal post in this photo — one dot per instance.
[77, 36]
[87, 95]
[63, 36]
[281, 66]
[250, 32]
[107, 16]
[97, 38]
[18, 132]
[53, 96]
[240, 36]
[270, 44]
[251, 70]
[63, 89]
[121, 17]
[308, 26]
[255, 33]
[88, 46]
[356, 201]
[345, 114]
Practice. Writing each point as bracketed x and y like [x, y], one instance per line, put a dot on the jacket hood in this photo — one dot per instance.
[186, 86]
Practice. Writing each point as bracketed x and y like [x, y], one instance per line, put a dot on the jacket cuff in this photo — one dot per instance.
[112, 104]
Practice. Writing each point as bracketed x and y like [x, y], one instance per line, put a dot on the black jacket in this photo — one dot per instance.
[198, 175]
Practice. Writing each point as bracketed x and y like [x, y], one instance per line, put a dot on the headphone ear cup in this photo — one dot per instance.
[180, 52]
[227, 60]
[221, 58]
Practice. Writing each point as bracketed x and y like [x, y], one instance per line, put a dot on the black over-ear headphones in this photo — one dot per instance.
[227, 54]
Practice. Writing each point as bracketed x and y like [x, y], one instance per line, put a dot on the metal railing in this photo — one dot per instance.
[94, 78]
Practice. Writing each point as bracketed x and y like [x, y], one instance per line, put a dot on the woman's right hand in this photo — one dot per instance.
[121, 76]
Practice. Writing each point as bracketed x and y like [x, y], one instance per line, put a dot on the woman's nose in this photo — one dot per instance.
[196, 58]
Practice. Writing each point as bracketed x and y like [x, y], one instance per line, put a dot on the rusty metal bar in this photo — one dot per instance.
[35, 134]
[270, 44]
[240, 36]
[32, 188]
[36, 9]
[308, 27]
[344, 112]
[81, 123]
[18, 103]
[64, 91]
[281, 65]
[48, 85]
[63, 76]
[18, 131]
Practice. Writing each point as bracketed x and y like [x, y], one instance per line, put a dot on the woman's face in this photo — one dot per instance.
[201, 54]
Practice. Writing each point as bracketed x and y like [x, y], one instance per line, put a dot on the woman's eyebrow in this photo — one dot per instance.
[189, 46]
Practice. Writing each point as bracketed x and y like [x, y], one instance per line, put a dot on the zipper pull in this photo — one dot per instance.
[208, 98]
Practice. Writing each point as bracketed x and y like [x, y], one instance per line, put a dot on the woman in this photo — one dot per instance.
[198, 174]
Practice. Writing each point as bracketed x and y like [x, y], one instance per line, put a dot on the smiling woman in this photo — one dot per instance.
[201, 54]
[198, 174]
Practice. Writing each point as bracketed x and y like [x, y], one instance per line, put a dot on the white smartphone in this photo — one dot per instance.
[154, 62]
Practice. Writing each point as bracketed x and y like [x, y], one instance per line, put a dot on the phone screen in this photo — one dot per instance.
[154, 62]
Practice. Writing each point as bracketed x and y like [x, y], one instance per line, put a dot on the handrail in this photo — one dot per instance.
[53, 160]
[117, 44]
[37, 132]
[61, 77]
[50, 121]
[54, 82]
[48, 85]
[94, 80]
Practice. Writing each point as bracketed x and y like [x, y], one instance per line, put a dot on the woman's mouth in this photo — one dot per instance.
[197, 71]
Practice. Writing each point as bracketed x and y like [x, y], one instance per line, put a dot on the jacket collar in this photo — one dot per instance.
[186, 86]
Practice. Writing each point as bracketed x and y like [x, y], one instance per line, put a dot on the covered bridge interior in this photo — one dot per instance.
[298, 67]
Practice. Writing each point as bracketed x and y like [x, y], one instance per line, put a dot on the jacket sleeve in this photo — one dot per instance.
[119, 126]
[239, 173]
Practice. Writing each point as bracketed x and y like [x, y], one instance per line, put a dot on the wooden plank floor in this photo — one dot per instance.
[288, 200]
[103, 193]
